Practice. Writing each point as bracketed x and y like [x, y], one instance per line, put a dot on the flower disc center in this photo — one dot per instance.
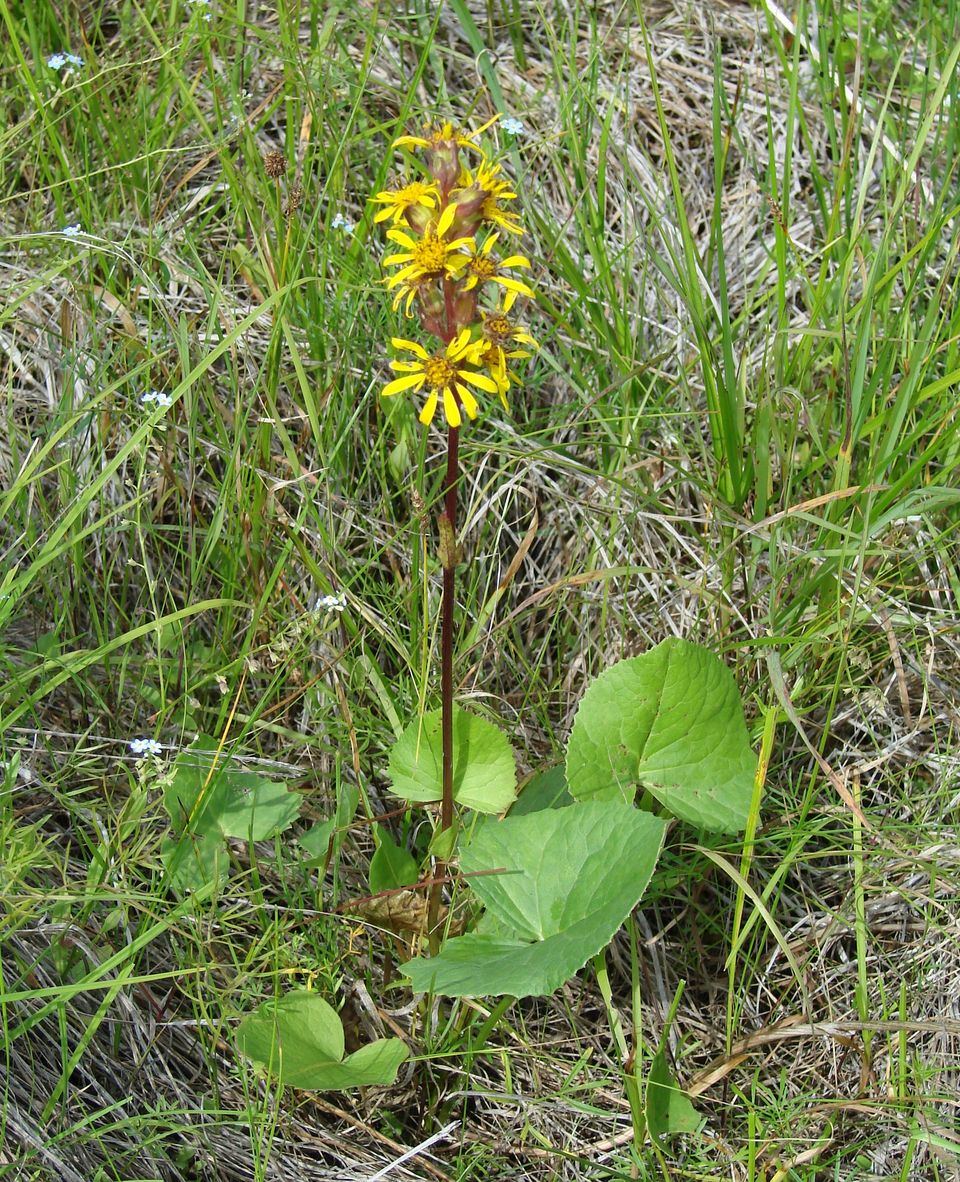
[439, 373]
[497, 329]
[431, 255]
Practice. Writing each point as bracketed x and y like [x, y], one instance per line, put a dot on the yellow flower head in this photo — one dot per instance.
[399, 201]
[481, 268]
[429, 255]
[499, 339]
[483, 194]
[442, 134]
[446, 375]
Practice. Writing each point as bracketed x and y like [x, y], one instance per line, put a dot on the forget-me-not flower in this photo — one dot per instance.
[164, 401]
[341, 223]
[513, 126]
[56, 61]
[144, 747]
[73, 231]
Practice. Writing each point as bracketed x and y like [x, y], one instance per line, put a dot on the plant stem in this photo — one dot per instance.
[446, 626]
[448, 560]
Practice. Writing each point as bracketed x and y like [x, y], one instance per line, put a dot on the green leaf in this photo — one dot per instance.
[484, 770]
[546, 790]
[569, 878]
[194, 859]
[206, 809]
[299, 1039]
[316, 841]
[669, 1110]
[670, 721]
[390, 867]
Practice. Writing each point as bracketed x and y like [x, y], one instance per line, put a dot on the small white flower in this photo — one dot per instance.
[513, 126]
[341, 223]
[331, 603]
[73, 231]
[144, 747]
[162, 400]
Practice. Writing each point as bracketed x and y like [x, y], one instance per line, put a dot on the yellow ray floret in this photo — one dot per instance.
[447, 375]
[398, 201]
[430, 254]
[481, 268]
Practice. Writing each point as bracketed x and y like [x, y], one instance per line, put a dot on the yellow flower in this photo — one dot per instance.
[481, 268]
[429, 254]
[398, 201]
[493, 189]
[499, 338]
[444, 374]
[434, 137]
[408, 290]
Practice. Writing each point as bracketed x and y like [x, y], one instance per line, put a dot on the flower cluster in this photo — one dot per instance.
[144, 747]
[56, 61]
[447, 226]
[163, 401]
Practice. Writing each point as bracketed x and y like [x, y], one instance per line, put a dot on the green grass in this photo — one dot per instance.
[741, 427]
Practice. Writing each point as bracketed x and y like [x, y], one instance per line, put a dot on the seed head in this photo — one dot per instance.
[275, 164]
[294, 200]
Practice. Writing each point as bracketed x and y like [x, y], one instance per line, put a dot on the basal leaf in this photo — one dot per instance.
[316, 841]
[484, 769]
[299, 1039]
[567, 880]
[670, 721]
[206, 809]
[390, 867]
[546, 790]
[256, 808]
[235, 803]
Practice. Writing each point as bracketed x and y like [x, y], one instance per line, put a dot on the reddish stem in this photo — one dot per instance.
[446, 629]
[448, 612]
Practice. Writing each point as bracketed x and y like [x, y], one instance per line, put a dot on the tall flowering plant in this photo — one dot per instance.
[450, 225]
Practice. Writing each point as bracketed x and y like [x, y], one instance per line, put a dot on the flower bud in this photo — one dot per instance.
[465, 309]
[443, 163]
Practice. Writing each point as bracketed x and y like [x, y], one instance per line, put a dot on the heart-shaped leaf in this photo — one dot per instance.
[206, 808]
[391, 866]
[670, 721]
[557, 884]
[299, 1039]
[484, 769]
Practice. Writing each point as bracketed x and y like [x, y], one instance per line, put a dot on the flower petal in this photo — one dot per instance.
[515, 260]
[429, 410]
[446, 219]
[459, 345]
[411, 347]
[513, 284]
[450, 408]
[407, 382]
[470, 404]
[402, 239]
[478, 379]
